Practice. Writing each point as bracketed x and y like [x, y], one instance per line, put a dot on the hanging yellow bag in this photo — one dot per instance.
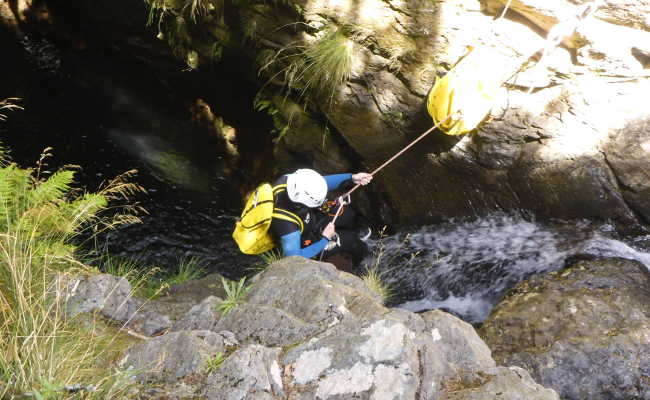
[467, 91]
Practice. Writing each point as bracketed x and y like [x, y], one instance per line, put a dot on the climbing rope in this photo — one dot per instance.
[399, 153]
[564, 29]
[553, 39]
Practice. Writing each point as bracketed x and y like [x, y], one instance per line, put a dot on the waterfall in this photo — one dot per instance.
[465, 267]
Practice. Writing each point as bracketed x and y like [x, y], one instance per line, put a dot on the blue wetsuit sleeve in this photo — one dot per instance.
[334, 181]
[291, 246]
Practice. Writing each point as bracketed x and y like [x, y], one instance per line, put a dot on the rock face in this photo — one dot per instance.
[583, 331]
[309, 331]
[566, 137]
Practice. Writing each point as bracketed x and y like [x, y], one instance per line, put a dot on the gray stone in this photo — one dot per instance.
[314, 292]
[112, 297]
[201, 316]
[582, 331]
[378, 360]
[500, 383]
[251, 373]
[269, 326]
[176, 355]
[450, 347]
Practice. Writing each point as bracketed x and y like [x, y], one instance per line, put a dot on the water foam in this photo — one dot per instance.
[466, 267]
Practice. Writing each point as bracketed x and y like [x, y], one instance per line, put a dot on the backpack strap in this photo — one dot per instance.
[283, 214]
[279, 188]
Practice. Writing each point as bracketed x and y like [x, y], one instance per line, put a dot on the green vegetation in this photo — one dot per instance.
[188, 269]
[280, 125]
[43, 353]
[213, 363]
[318, 68]
[150, 282]
[382, 263]
[267, 258]
[271, 256]
[373, 280]
[235, 293]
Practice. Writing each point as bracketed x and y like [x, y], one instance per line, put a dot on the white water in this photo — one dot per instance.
[466, 267]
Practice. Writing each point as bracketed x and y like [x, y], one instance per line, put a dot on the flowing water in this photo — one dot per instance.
[466, 267]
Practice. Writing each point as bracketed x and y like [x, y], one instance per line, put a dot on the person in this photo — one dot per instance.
[304, 197]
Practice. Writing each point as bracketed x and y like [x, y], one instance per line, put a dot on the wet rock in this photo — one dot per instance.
[582, 331]
[176, 355]
[626, 153]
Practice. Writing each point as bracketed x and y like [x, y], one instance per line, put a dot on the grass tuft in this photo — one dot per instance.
[267, 258]
[374, 281]
[318, 68]
[213, 363]
[235, 294]
[150, 282]
[188, 269]
[44, 353]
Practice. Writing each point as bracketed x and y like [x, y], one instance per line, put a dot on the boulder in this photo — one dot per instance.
[315, 292]
[582, 331]
[176, 355]
[270, 326]
[452, 350]
[378, 359]
[112, 297]
[309, 331]
[252, 373]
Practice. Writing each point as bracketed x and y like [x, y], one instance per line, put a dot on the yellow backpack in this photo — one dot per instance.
[252, 228]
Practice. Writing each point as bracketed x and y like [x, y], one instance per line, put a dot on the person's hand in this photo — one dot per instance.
[329, 232]
[361, 178]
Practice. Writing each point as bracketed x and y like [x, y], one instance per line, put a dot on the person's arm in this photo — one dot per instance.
[334, 181]
[291, 246]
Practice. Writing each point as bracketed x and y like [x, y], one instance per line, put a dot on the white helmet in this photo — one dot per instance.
[307, 186]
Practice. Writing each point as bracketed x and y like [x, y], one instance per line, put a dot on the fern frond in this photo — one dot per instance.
[14, 186]
[51, 190]
[83, 210]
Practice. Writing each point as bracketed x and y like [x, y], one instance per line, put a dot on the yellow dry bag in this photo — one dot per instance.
[467, 90]
[252, 229]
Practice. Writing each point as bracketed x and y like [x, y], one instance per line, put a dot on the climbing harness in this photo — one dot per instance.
[345, 198]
